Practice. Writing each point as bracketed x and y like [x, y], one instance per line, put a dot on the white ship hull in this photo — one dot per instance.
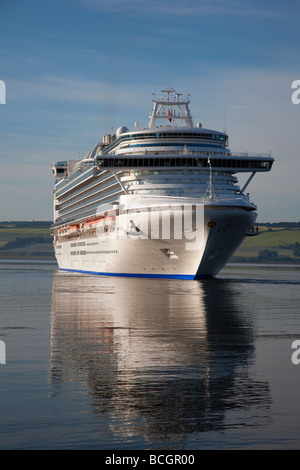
[201, 252]
[158, 201]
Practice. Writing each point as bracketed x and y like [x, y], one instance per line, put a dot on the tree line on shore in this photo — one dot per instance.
[21, 242]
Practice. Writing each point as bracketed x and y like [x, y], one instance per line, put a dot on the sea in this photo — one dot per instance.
[129, 364]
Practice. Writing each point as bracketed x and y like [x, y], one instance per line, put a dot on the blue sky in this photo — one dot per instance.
[77, 69]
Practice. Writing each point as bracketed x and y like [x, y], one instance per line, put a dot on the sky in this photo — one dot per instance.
[75, 70]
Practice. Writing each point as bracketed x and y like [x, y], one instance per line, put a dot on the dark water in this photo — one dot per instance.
[114, 363]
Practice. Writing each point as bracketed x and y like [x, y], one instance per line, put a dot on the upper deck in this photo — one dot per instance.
[174, 145]
[177, 130]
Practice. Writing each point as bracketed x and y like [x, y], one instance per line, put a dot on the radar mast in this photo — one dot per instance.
[171, 107]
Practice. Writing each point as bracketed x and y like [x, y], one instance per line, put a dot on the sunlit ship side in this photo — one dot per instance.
[161, 201]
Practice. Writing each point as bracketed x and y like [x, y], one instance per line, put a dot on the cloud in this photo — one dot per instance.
[245, 98]
[72, 89]
[184, 7]
[56, 88]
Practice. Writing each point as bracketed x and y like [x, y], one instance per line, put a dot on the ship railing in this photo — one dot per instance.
[190, 152]
[227, 199]
[225, 154]
[250, 154]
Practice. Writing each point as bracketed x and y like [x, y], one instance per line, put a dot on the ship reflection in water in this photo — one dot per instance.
[159, 359]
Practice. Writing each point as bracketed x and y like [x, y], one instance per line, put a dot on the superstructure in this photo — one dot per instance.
[160, 201]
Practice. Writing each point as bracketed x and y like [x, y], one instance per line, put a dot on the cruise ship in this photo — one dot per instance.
[161, 201]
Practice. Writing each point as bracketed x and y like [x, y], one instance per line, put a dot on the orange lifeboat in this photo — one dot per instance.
[73, 228]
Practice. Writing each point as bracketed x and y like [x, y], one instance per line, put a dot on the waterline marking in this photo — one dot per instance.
[2, 92]
[2, 352]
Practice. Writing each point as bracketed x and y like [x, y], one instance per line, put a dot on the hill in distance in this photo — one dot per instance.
[277, 242]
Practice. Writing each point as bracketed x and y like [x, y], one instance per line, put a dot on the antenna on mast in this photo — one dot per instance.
[224, 121]
[166, 107]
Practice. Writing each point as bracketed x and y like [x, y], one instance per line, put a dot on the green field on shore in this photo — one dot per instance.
[276, 243]
[26, 240]
[280, 242]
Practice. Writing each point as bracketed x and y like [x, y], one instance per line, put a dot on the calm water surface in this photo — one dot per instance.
[113, 363]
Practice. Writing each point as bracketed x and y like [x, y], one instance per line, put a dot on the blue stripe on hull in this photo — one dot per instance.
[165, 276]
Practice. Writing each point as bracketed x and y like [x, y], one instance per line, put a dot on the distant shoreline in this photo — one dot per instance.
[277, 243]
